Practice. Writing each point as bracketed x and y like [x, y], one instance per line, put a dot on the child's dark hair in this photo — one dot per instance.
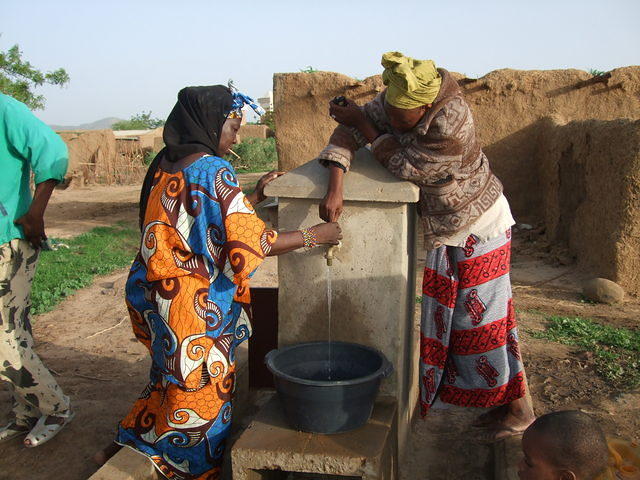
[577, 440]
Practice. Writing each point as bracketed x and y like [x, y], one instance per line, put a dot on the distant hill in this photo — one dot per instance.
[97, 125]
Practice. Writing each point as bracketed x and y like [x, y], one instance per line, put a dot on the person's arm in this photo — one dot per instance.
[337, 157]
[331, 205]
[350, 116]
[48, 158]
[325, 233]
[32, 222]
[258, 195]
[353, 116]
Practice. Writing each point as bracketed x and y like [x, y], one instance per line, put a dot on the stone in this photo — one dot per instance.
[269, 447]
[603, 291]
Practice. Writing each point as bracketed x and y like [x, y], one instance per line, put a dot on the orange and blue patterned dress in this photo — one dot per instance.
[201, 243]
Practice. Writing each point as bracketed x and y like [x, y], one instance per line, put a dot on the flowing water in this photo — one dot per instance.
[329, 295]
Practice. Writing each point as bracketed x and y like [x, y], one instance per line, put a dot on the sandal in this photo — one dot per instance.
[13, 430]
[45, 429]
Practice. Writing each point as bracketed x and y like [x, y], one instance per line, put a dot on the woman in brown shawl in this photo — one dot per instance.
[421, 129]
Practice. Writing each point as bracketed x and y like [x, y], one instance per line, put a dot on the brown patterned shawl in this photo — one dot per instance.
[441, 155]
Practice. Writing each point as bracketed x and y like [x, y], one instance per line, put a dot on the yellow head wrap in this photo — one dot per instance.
[410, 83]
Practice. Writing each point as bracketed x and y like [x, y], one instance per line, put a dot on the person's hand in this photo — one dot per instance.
[33, 228]
[327, 233]
[331, 206]
[263, 182]
[351, 115]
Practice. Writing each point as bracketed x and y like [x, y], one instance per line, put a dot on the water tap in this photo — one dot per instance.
[330, 252]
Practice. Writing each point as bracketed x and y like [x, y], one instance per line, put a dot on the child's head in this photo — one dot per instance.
[567, 445]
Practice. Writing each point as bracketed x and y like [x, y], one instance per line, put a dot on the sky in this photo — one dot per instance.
[125, 57]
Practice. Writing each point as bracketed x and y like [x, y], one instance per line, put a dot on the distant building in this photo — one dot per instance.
[266, 102]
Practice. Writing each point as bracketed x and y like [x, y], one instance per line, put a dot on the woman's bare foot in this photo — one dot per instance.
[105, 454]
[518, 417]
[491, 418]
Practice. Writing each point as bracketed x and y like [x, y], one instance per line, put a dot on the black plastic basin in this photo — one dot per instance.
[323, 397]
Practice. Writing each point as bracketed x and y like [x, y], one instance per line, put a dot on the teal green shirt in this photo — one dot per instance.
[26, 144]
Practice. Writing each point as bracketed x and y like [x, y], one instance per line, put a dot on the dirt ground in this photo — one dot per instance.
[88, 342]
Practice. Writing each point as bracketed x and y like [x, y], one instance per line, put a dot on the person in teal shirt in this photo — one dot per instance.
[27, 146]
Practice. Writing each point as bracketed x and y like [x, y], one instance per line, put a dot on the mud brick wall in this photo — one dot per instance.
[590, 185]
[507, 106]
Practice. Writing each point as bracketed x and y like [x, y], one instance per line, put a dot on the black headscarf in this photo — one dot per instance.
[194, 125]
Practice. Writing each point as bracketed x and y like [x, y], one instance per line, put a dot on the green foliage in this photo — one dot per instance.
[309, 69]
[63, 271]
[141, 121]
[18, 78]
[269, 119]
[616, 351]
[256, 155]
[596, 73]
[149, 156]
[586, 300]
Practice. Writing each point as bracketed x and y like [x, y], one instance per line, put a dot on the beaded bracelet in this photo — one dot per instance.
[309, 239]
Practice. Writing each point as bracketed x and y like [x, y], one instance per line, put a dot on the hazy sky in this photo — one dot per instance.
[125, 57]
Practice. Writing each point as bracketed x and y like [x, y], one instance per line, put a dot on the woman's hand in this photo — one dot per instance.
[258, 194]
[351, 115]
[327, 233]
[331, 206]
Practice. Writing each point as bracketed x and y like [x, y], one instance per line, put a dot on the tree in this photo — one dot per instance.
[269, 120]
[141, 121]
[18, 78]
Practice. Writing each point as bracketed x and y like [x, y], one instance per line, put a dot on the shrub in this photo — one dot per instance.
[256, 155]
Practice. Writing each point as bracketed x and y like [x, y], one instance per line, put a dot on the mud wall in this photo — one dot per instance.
[255, 131]
[151, 140]
[589, 175]
[507, 106]
[94, 157]
[90, 154]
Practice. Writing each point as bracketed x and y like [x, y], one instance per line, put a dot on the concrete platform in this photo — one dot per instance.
[270, 450]
[506, 455]
[127, 465]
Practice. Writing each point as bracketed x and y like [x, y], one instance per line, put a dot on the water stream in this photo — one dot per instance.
[329, 295]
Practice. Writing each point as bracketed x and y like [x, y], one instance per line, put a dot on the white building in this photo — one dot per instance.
[266, 102]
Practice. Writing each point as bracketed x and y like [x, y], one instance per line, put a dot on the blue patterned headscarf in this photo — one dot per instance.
[239, 101]
[195, 125]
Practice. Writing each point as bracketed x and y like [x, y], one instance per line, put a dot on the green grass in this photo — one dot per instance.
[256, 155]
[98, 252]
[616, 351]
[596, 73]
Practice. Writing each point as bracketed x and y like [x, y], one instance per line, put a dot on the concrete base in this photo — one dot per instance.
[127, 465]
[506, 454]
[270, 450]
